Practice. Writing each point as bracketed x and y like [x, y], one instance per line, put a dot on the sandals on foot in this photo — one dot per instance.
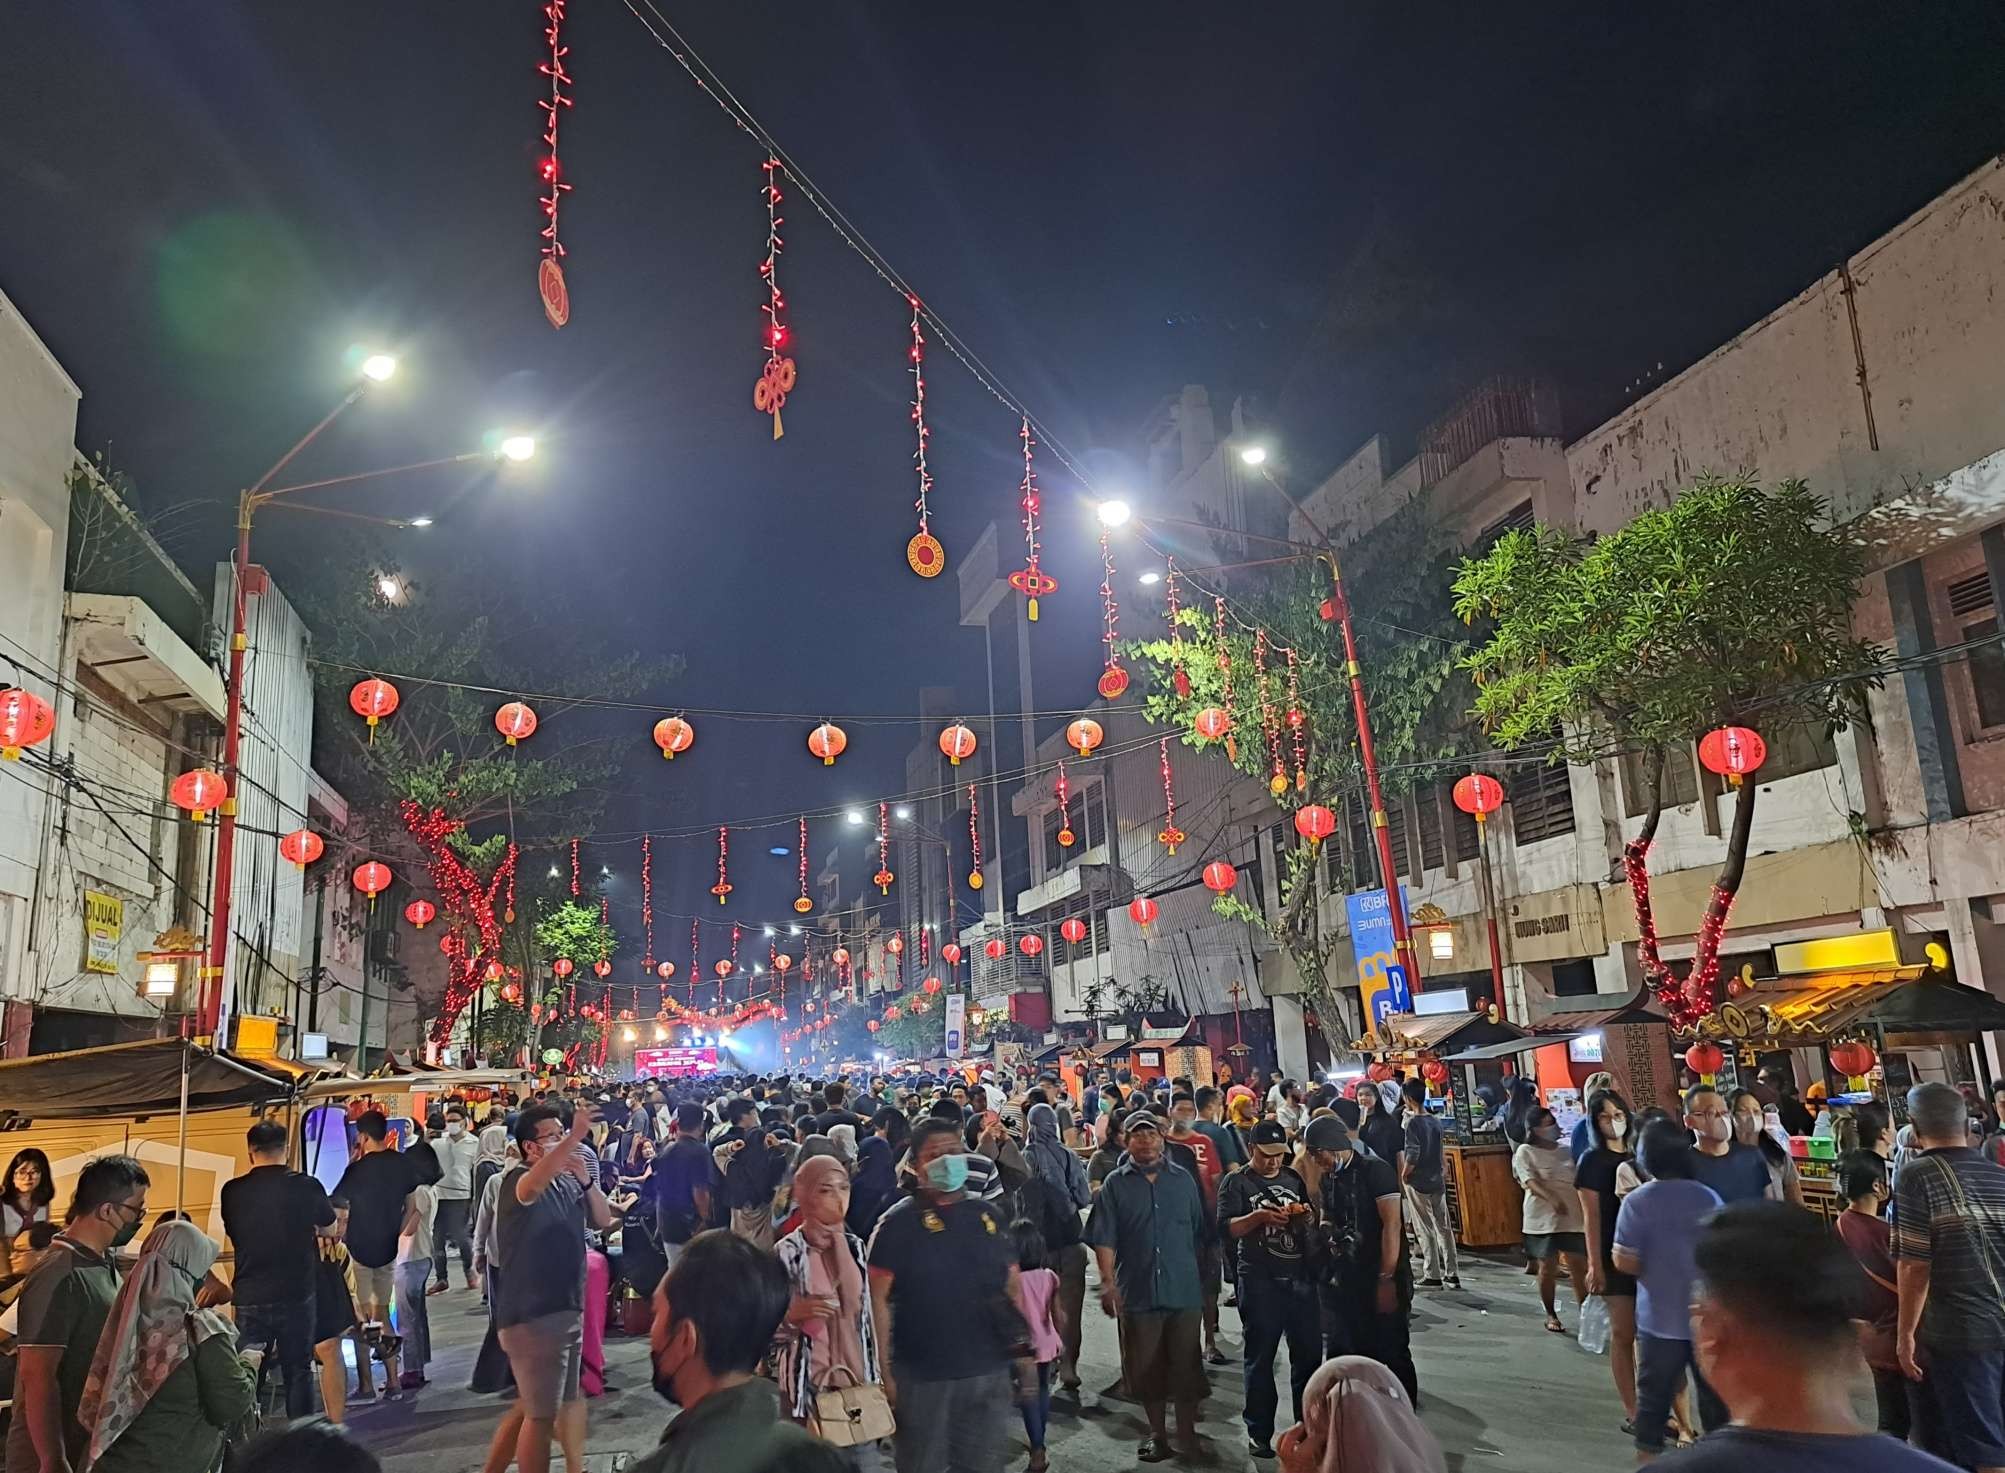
[1153, 1451]
[1553, 1324]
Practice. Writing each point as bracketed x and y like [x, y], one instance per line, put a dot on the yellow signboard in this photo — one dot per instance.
[1833, 953]
[104, 925]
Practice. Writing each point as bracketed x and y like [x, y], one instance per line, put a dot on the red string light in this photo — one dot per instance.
[1685, 1003]
[724, 980]
[695, 958]
[923, 554]
[882, 879]
[1179, 677]
[1065, 834]
[974, 837]
[467, 902]
[508, 915]
[574, 869]
[1222, 653]
[1171, 835]
[1270, 721]
[647, 903]
[1298, 725]
[803, 904]
[550, 271]
[777, 380]
[723, 886]
[1030, 580]
[1113, 679]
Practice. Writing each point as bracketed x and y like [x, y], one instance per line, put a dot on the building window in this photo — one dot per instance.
[1462, 827]
[1518, 519]
[1427, 803]
[1541, 799]
[1798, 747]
[1987, 673]
[1681, 780]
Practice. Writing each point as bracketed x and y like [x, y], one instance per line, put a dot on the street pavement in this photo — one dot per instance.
[1499, 1391]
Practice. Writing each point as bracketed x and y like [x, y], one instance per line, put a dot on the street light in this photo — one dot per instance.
[854, 817]
[1254, 455]
[1150, 579]
[391, 588]
[902, 811]
[378, 367]
[1114, 513]
[518, 447]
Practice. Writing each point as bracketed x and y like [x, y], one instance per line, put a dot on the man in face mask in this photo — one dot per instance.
[1738, 1173]
[714, 1317]
[63, 1308]
[457, 1151]
[943, 1285]
[1368, 1283]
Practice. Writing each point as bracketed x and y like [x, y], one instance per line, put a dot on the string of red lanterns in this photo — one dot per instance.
[1298, 725]
[647, 902]
[550, 285]
[1223, 712]
[802, 904]
[1172, 609]
[722, 888]
[1030, 580]
[574, 867]
[975, 880]
[1270, 722]
[1170, 834]
[776, 381]
[1113, 678]
[923, 554]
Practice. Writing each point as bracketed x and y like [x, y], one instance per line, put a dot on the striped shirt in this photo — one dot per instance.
[1949, 1212]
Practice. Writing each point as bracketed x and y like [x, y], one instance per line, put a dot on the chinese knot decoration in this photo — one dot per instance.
[550, 273]
[1179, 677]
[1170, 835]
[723, 886]
[923, 554]
[1113, 679]
[883, 878]
[802, 904]
[777, 379]
[1030, 580]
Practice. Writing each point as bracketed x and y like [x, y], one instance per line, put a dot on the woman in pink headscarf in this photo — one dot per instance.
[828, 1336]
[1356, 1419]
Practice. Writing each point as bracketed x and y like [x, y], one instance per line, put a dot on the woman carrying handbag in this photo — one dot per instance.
[828, 1372]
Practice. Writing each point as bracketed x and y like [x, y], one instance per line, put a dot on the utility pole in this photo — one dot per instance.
[314, 979]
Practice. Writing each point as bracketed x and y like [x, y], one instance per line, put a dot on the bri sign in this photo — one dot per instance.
[1381, 979]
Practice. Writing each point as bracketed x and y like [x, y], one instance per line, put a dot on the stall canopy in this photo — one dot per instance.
[1482, 1053]
[1443, 1032]
[127, 1079]
[1894, 999]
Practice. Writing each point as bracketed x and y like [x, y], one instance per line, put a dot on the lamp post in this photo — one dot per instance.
[375, 370]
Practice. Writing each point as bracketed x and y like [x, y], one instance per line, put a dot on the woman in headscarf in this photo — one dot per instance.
[874, 1186]
[1064, 1193]
[492, 1158]
[491, 1371]
[166, 1382]
[828, 1339]
[844, 1136]
[1356, 1418]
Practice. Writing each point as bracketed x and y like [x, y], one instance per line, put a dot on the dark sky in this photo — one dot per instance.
[1351, 212]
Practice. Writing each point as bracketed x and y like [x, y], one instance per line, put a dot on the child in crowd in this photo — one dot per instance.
[1040, 1305]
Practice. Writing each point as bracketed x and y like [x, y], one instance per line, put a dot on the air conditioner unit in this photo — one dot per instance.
[383, 946]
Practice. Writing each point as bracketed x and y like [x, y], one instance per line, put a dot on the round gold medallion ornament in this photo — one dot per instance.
[925, 556]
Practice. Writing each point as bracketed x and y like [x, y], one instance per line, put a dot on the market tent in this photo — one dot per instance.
[1897, 1000]
[1442, 1031]
[132, 1080]
[1508, 1047]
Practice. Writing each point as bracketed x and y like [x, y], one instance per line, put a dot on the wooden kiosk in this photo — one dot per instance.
[1484, 1200]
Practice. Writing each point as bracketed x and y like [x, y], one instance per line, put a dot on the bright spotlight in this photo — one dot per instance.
[518, 447]
[1254, 455]
[378, 367]
[389, 587]
[419, 522]
[902, 811]
[1151, 579]
[854, 816]
[769, 930]
[1114, 513]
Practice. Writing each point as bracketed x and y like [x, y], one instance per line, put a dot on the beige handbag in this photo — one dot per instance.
[848, 1416]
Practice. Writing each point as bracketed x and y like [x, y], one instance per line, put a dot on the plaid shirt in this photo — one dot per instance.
[791, 1357]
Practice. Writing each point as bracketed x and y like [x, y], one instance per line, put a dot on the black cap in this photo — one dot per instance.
[1142, 1120]
[1269, 1133]
[1327, 1133]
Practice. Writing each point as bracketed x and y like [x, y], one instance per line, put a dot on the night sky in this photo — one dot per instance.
[1346, 213]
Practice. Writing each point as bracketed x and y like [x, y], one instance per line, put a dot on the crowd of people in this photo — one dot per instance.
[862, 1274]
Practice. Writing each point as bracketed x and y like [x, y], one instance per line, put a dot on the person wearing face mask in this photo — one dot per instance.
[1368, 1281]
[943, 1288]
[1555, 1232]
[273, 1216]
[1736, 1172]
[1427, 1190]
[1750, 1129]
[714, 1317]
[1861, 1179]
[1584, 1138]
[458, 1151]
[62, 1313]
[1598, 1180]
[1379, 1128]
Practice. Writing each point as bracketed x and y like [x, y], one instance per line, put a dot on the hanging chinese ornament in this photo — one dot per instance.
[574, 868]
[647, 902]
[672, 734]
[419, 912]
[923, 554]
[1172, 609]
[1170, 834]
[883, 878]
[1219, 877]
[1143, 911]
[1731, 751]
[1113, 678]
[372, 700]
[1073, 929]
[951, 954]
[827, 742]
[1031, 944]
[26, 720]
[956, 742]
[1084, 735]
[302, 847]
[995, 948]
[1030, 580]
[563, 966]
[1298, 725]
[1270, 721]
[1315, 823]
[974, 839]
[602, 968]
[1222, 655]
[550, 273]
[199, 791]
[515, 721]
[372, 879]
[1066, 838]
[777, 381]
[723, 886]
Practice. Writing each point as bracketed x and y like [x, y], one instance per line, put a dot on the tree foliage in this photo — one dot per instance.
[575, 929]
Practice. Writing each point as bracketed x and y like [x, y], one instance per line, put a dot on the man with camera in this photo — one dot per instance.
[1264, 1213]
[1367, 1281]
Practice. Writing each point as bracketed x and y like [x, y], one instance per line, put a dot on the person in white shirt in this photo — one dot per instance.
[458, 1149]
[414, 1265]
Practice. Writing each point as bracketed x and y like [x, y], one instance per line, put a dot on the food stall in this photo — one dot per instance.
[1632, 1042]
[1484, 1200]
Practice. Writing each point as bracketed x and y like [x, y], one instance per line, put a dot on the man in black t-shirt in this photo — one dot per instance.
[834, 1098]
[682, 1183]
[272, 1216]
[1368, 1285]
[378, 1185]
[1265, 1214]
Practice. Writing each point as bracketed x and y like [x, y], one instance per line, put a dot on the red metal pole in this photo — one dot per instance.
[226, 823]
[1402, 937]
[1490, 919]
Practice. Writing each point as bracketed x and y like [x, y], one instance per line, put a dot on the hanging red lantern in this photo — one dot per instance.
[957, 742]
[512, 993]
[931, 984]
[1031, 944]
[494, 972]
[665, 970]
[827, 742]
[1378, 1072]
[1478, 795]
[782, 962]
[372, 700]
[1143, 911]
[602, 968]
[372, 879]
[1219, 877]
[895, 945]
[1853, 1058]
[1704, 1059]
[672, 734]
[199, 791]
[722, 967]
[26, 720]
[1315, 823]
[995, 949]
[1434, 1071]
[515, 721]
[1211, 724]
[563, 966]
[418, 912]
[302, 847]
[951, 953]
[1731, 751]
[840, 956]
[1084, 734]
[873, 1025]
[1073, 930]
[891, 1014]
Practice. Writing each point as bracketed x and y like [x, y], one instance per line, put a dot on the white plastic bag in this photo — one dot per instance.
[1594, 1325]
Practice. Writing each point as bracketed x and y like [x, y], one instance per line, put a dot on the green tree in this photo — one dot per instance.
[1410, 647]
[1731, 606]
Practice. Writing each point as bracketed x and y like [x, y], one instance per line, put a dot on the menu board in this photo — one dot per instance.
[1464, 1123]
[1897, 1079]
[658, 1063]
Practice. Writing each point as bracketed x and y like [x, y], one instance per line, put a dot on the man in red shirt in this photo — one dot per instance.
[1202, 1161]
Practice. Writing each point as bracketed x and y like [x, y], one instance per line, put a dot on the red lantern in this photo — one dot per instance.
[827, 742]
[672, 734]
[1704, 1059]
[1113, 683]
[723, 967]
[515, 721]
[891, 1014]
[840, 956]
[957, 742]
[803, 905]
[1315, 823]
[418, 912]
[1220, 877]
[873, 1025]
[25, 720]
[665, 970]
[494, 972]
[562, 966]
[602, 968]
[302, 847]
[895, 945]
[995, 949]
[1073, 930]
[198, 791]
[1731, 751]
[1143, 911]
[1212, 723]
[1030, 945]
[782, 962]
[1853, 1058]
[1478, 795]
[931, 984]
[1434, 1071]
[1379, 1072]
[372, 700]
[951, 953]
[512, 993]
[1084, 735]
[372, 879]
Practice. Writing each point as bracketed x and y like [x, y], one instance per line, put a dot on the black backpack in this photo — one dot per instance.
[1051, 1209]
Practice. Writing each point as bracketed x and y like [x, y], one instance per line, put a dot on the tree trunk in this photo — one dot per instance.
[1635, 863]
[1702, 982]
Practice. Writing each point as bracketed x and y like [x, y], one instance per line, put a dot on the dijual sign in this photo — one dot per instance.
[1381, 979]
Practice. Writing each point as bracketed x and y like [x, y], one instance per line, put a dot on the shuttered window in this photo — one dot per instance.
[1541, 799]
